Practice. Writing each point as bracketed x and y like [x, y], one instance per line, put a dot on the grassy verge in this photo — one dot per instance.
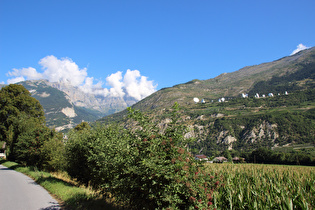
[67, 192]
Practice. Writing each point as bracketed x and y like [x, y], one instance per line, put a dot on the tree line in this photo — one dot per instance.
[269, 156]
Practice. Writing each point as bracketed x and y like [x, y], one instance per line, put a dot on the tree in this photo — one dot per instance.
[262, 155]
[53, 153]
[17, 107]
[82, 126]
[29, 143]
[228, 155]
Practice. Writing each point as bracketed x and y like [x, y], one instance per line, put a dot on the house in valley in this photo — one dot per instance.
[220, 160]
[201, 157]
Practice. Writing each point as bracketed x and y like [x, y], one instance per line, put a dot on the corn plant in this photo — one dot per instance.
[249, 186]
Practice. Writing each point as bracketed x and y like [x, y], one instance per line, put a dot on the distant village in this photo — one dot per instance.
[243, 95]
[220, 159]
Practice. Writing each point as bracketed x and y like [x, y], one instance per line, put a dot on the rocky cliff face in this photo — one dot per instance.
[265, 130]
[107, 105]
[262, 132]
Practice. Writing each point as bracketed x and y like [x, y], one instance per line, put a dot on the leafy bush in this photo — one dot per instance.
[77, 153]
[53, 152]
[142, 166]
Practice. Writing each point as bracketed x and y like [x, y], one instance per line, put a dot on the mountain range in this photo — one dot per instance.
[66, 106]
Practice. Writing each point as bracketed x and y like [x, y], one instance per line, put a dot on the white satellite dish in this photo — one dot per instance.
[196, 100]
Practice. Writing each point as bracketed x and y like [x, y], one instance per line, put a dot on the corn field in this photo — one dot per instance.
[250, 186]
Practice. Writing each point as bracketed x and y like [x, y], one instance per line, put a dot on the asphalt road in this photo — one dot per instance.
[19, 192]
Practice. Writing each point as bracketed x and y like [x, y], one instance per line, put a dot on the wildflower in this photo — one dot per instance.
[180, 150]
[192, 198]
[209, 203]
[185, 168]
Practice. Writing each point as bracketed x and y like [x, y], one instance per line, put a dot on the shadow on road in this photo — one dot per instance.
[5, 169]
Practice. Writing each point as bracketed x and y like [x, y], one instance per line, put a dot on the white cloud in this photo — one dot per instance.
[65, 70]
[15, 80]
[299, 48]
[114, 80]
[30, 73]
[90, 87]
[132, 84]
[138, 88]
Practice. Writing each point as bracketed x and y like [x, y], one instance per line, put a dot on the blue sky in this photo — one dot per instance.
[168, 41]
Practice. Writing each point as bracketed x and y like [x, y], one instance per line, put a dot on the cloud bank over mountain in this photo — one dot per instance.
[131, 84]
[299, 48]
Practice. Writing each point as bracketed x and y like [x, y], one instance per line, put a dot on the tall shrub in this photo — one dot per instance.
[142, 166]
[77, 153]
[163, 173]
[53, 152]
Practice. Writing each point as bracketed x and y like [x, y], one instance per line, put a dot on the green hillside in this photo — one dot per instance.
[290, 73]
[243, 124]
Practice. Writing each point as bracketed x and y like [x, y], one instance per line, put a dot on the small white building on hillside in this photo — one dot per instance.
[221, 100]
[244, 95]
